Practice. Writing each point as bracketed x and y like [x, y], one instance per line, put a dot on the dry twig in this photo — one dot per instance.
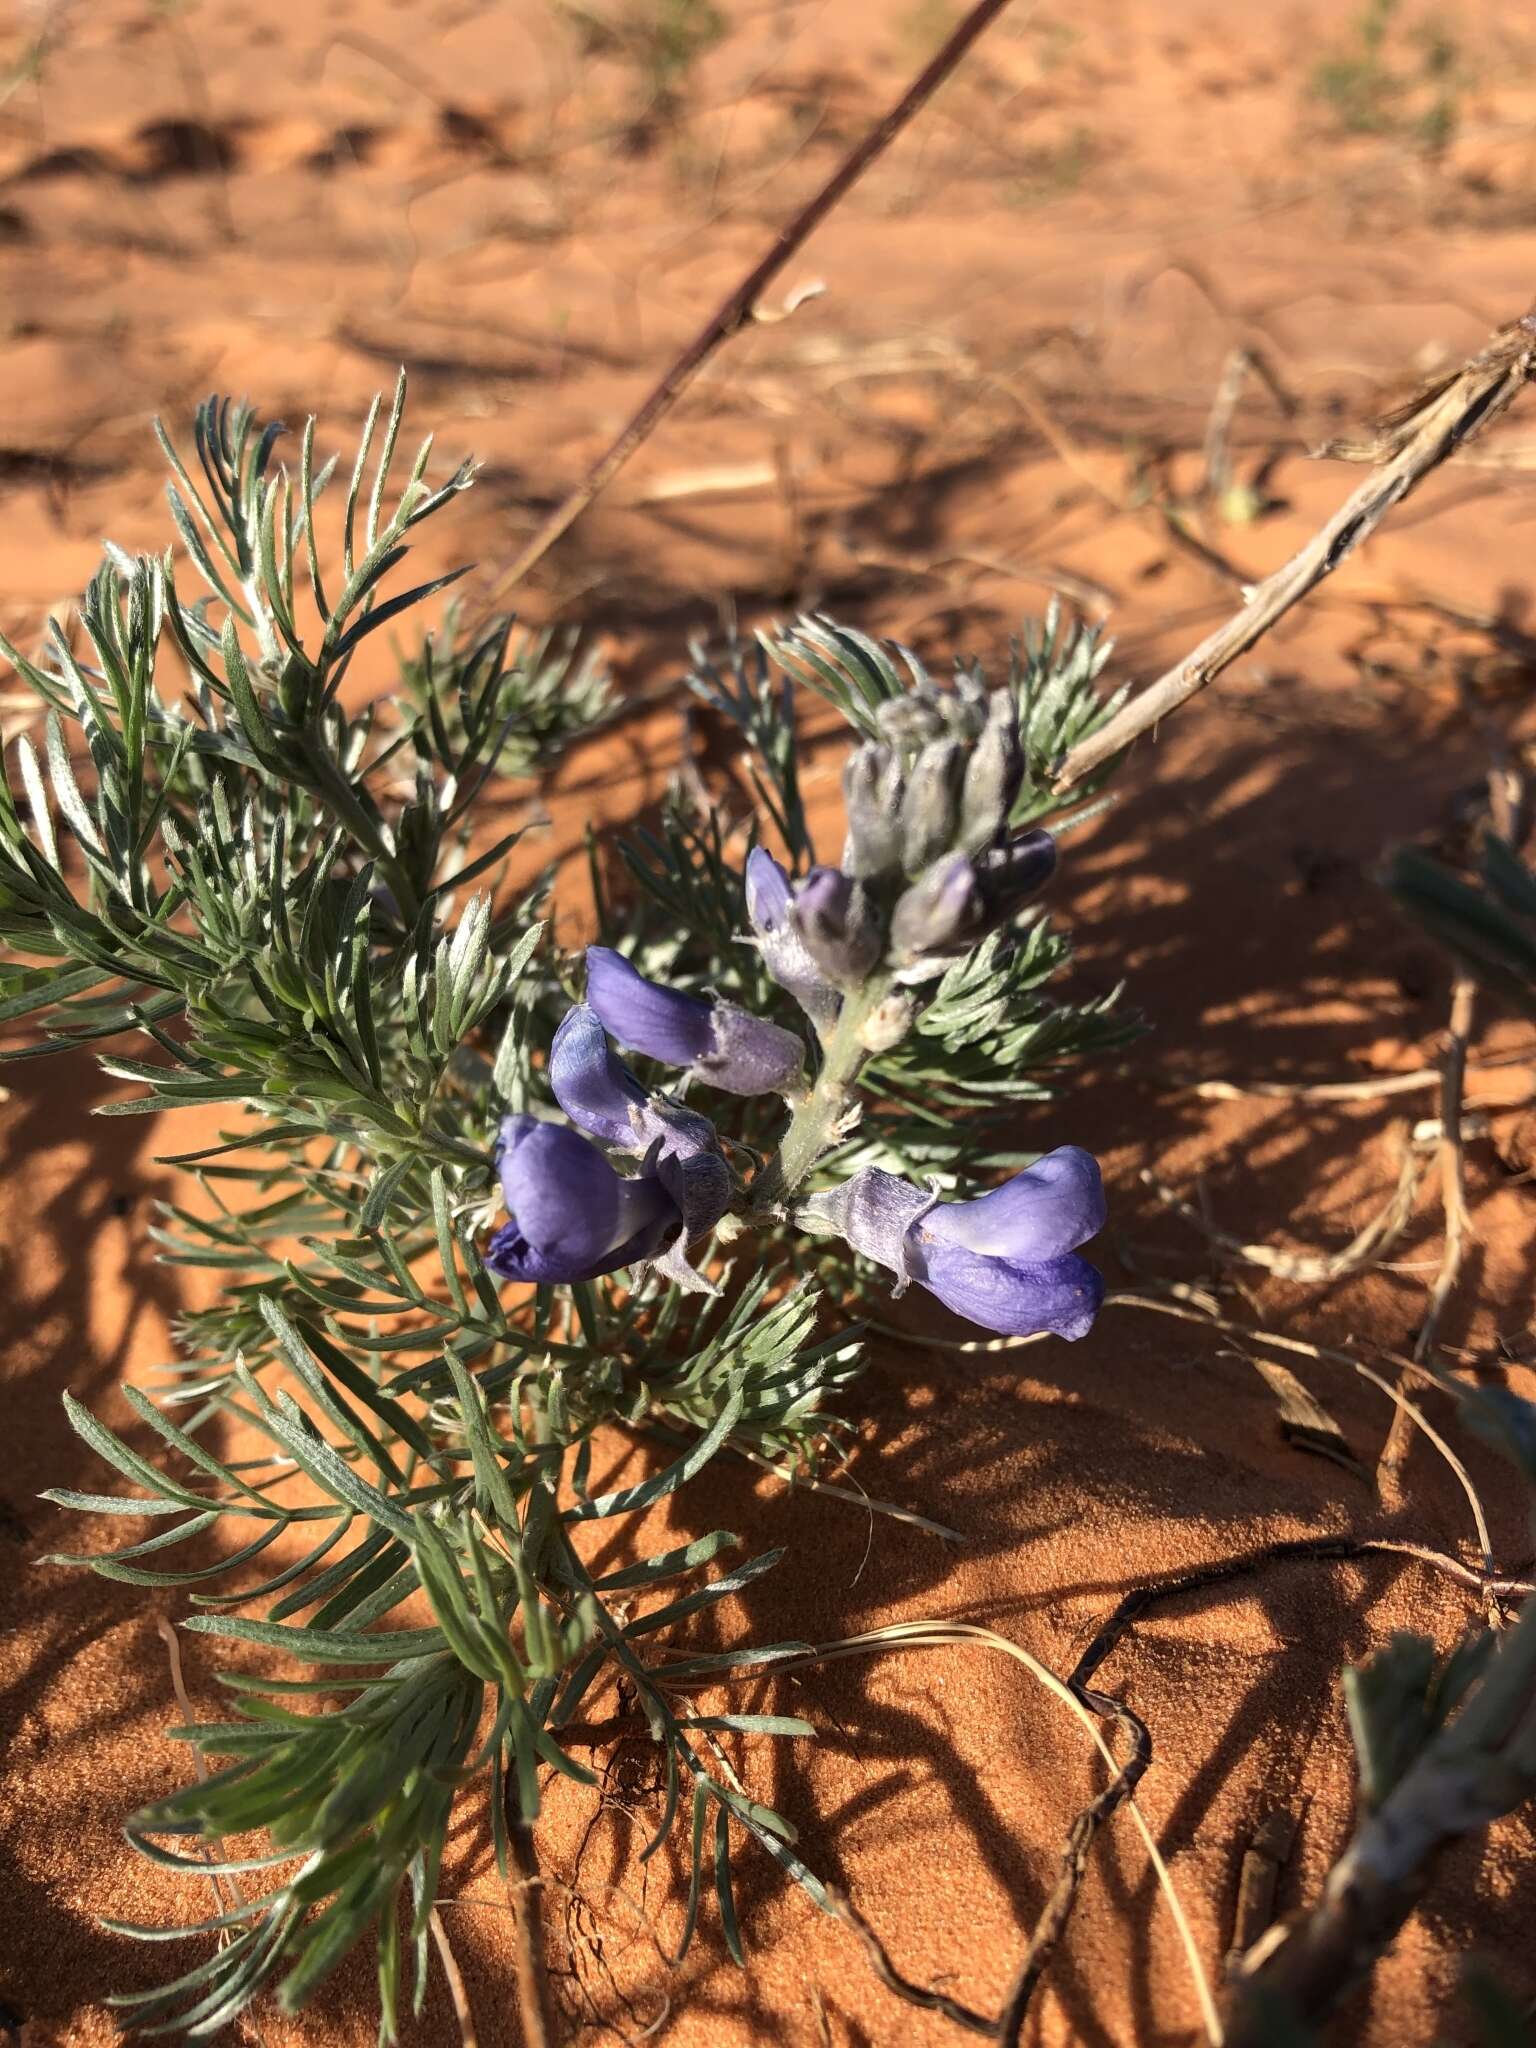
[1409, 449]
[456, 1992]
[1053, 1920]
[926, 2000]
[739, 308]
[1268, 1852]
[1051, 1923]
[1366, 1089]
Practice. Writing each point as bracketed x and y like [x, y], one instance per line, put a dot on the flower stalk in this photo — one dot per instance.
[830, 1108]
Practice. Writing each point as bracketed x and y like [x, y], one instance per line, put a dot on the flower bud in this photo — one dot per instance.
[992, 776]
[941, 910]
[872, 792]
[972, 692]
[909, 721]
[785, 955]
[839, 924]
[1010, 875]
[930, 810]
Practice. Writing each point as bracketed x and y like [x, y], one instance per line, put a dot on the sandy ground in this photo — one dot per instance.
[1005, 386]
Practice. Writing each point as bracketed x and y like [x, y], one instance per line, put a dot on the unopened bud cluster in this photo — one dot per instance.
[928, 868]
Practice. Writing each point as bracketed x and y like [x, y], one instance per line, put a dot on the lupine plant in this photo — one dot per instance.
[473, 1199]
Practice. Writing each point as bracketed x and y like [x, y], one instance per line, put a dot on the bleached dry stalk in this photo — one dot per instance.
[457, 1994]
[1365, 1248]
[1479, 1767]
[1453, 1196]
[1412, 444]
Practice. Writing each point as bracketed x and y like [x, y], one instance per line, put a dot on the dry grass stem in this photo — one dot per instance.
[1217, 452]
[1410, 1412]
[1407, 1368]
[740, 306]
[1315, 1268]
[456, 1992]
[211, 1851]
[1416, 1081]
[1090, 596]
[1408, 450]
[1087, 1707]
[1453, 1196]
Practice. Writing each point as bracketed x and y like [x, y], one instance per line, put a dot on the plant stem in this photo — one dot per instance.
[533, 1997]
[333, 789]
[1479, 1767]
[818, 1121]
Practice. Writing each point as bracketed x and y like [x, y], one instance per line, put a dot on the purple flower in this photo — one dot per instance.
[573, 1216]
[680, 1149]
[591, 1084]
[769, 895]
[1005, 1260]
[718, 1043]
[1010, 875]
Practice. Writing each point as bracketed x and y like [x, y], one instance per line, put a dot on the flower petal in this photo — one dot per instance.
[510, 1254]
[1010, 875]
[1017, 1300]
[643, 1015]
[561, 1191]
[568, 1203]
[1041, 1214]
[768, 891]
[591, 1084]
[769, 894]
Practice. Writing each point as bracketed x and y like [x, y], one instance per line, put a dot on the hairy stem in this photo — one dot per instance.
[534, 2006]
[334, 790]
[820, 1118]
[1479, 1767]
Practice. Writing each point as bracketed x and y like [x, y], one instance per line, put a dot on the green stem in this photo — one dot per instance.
[815, 1125]
[334, 790]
